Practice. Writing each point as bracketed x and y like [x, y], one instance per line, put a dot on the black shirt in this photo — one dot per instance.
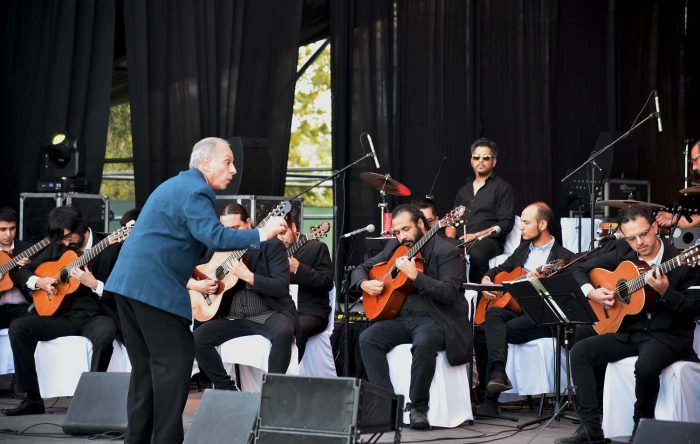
[492, 205]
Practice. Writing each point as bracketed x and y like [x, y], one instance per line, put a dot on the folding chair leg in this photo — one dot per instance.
[540, 412]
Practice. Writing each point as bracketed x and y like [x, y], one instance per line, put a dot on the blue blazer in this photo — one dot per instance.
[173, 232]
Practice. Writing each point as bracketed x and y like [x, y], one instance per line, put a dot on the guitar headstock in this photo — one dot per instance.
[691, 256]
[121, 234]
[453, 217]
[319, 230]
[280, 209]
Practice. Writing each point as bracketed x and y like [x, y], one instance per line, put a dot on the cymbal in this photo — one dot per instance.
[690, 190]
[627, 203]
[381, 182]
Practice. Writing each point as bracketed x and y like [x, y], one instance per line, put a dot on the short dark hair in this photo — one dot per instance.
[423, 203]
[235, 208]
[130, 215]
[8, 214]
[414, 211]
[544, 212]
[65, 218]
[632, 212]
[485, 141]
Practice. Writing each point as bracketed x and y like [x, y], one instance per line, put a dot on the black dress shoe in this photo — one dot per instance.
[583, 435]
[489, 408]
[230, 386]
[26, 407]
[499, 383]
[419, 420]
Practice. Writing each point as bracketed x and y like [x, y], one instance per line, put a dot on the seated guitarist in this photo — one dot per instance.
[432, 318]
[311, 268]
[503, 326]
[13, 303]
[87, 315]
[260, 305]
[660, 336]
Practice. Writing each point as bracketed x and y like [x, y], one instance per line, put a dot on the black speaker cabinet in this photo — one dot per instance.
[224, 417]
[685, 237]
[34, 209]
[98, 405]
[253, 160]
[296, 409]
[653, 431]
[93, 207]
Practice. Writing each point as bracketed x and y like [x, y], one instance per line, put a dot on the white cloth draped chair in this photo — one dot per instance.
[60, 362]
[318, 356]
[570, 230]
[7, 363]
[512, 242]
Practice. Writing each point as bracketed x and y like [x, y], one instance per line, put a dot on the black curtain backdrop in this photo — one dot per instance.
[209, 68]
[56, 59]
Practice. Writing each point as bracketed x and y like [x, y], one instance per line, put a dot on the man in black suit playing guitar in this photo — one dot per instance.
[660, 335]
[13, 303]
[87, 315]
[432, 318]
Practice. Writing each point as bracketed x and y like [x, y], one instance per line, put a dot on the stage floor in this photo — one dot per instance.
[46, 428]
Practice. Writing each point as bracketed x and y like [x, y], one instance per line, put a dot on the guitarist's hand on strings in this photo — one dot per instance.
[204, 286]
[242, 271]
[373, 287]
[408, 267]
[84, 276]
[603, 296]
[46, 284]
[489, 295]
[657, 281]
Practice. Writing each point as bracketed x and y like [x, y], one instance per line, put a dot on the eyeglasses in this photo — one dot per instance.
[640, 236]
[485, 158]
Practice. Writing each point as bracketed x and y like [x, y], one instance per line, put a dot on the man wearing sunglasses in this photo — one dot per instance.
[666, 218]
[659, 335]
[489, 199]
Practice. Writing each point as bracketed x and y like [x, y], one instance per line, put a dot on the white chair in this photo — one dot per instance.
[60, 362]
[678, 398]
[512, 242]
[250, 355]
[7, 363]
[318, 356]
[570, 230]
[530, 368]
[450, 401]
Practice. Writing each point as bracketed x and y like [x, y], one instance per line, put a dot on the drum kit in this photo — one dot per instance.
[385, 184]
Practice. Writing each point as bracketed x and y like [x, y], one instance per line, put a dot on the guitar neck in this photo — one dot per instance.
[297, 245]
[422, 241]
[234, 256]
[31, 251]
[91, 253]
[638, 282]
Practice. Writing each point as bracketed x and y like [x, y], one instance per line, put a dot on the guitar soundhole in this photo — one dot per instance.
[394, 272]
[623, 292]
[64, 276]
[220, 273]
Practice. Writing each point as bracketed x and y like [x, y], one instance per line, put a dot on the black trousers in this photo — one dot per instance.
[309, 325]
[278, 328]
[161, 351]
[10, 312]
[479, 256]
[27, 331]
[502, 327]
[594, 351]
[427, 337]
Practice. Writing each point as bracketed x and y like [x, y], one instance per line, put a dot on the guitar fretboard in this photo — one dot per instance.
[297, 245]
[31, 251]
[638, 282]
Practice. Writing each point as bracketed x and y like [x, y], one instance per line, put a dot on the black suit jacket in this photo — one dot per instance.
[84, 299]
[315, 279]
[441, 287]
[519, 256]
[671, 319]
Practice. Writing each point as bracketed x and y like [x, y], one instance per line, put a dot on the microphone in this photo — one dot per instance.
[376, 160]
[492, 231]
[658, 111]
[609, 237]
[369, 228]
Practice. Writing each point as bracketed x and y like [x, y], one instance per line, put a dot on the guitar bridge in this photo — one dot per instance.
[206, 298]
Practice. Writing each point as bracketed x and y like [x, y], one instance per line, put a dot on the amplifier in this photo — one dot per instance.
[35, 207]
[260, 206]
[625, 189]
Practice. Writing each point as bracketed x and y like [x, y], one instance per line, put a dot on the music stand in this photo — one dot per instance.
[555, 300]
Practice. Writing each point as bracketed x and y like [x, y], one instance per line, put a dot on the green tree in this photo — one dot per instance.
[119, 146]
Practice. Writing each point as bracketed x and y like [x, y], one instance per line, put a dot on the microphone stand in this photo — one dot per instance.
[432, 187]
[591, 161]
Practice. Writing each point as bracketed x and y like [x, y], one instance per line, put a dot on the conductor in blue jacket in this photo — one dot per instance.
[175, 228]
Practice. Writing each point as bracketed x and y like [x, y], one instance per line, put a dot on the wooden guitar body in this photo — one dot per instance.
[505, 300]
[5, 279]
[206, 306]
[46, 305]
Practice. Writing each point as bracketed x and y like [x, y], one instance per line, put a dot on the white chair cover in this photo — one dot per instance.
[7, 363]
[318, 356]
[679, 399]
[512, 242]
[530, 367]
[120, 359]
[570, 229]
[450, 403]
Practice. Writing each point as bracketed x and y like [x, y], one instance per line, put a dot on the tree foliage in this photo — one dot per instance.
[119, 146]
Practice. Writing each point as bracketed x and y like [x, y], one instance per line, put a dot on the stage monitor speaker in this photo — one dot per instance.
[296, 409]
[98, 405]
[93, 207]
[33, 211]
[224, 417]
[685, 237]
[653, 431]
[255, 170]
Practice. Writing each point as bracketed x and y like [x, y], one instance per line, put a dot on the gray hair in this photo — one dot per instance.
[203, 149]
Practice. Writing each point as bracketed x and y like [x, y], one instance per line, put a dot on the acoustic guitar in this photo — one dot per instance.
[317, 232]
[8, 263]
[397, 285]
[505, 300]
[632, 295]
[49, 305]
[206, 306]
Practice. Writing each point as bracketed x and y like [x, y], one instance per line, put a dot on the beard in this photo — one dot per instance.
[75, 246]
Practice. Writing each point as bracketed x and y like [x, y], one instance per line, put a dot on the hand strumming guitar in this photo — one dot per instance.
[603, 296]
[372, 287]
[489, 295]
